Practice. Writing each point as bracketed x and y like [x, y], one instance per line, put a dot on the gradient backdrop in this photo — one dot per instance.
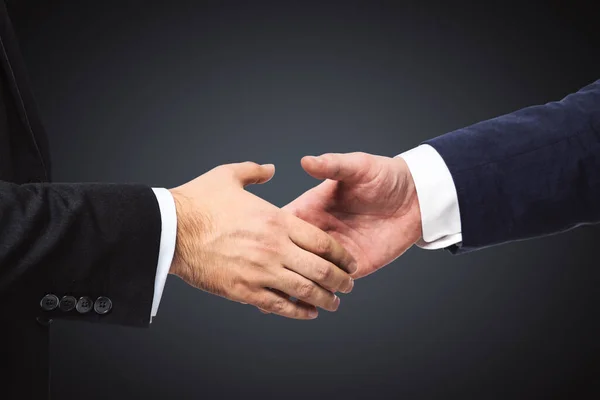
[142, 92]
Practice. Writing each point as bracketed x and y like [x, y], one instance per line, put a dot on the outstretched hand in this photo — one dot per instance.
[368, 203]
[234, 244]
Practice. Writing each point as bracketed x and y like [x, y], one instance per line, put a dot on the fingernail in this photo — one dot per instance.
[353, 267]
[313, 313]
[349, 287]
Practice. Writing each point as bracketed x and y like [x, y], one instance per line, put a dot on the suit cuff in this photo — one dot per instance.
[438, 201]
[168, 236]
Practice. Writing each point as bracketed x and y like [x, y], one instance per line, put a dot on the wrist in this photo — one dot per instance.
[178, 265]
[414, 211]
[411, 209]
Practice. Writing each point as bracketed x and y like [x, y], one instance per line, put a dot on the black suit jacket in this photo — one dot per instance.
[529, 173]
[79, 240]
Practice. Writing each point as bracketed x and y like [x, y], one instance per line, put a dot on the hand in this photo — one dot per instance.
[368, 203]
[236, 245]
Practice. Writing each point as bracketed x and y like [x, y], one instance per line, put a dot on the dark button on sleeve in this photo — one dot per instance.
[49, 302]
[67, 303]
[103, 305]
[84, 305]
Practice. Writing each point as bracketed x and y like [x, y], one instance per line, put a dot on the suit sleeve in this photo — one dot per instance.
[530, 173]
[80, 240]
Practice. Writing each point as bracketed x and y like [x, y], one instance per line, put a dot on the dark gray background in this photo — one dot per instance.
[140, 92]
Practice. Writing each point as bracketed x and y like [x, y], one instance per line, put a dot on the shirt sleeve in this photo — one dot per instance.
[438, 200]
[168, 237]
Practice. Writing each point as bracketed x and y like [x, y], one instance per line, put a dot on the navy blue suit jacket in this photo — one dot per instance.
[530, 173]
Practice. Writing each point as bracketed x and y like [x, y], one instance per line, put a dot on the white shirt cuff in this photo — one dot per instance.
[168, 235]
[440, 215]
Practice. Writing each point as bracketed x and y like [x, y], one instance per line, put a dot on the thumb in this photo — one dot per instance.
[339, 167]
[250, 173]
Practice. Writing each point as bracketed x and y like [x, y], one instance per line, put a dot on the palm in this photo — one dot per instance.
[368, 208]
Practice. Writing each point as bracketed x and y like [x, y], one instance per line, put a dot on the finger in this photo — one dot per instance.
[314, 240]
[250, 173]
[272, 302]
[318, 270]
[287, 297]
[339, 167]
[304, 290]
[276, 291]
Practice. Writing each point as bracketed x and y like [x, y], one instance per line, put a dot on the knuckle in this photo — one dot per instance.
[323, 273]
[240, 284]
[279, 305]
[361, 155]
[249, 164]
[220, 168]
[225, 172]
[224, 169]
[306, 290]
[263, 303]
[264, 251]
[323, 245]
[272, 220]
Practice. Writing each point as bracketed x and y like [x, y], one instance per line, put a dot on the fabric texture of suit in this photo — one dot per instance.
[65, 239]
[526, 174]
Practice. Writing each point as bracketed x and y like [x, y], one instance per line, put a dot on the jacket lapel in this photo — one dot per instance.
[17, 85]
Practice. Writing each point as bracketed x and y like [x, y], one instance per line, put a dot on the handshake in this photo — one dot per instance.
[290, 261]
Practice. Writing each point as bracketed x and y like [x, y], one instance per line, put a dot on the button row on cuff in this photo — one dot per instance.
[101, 306]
